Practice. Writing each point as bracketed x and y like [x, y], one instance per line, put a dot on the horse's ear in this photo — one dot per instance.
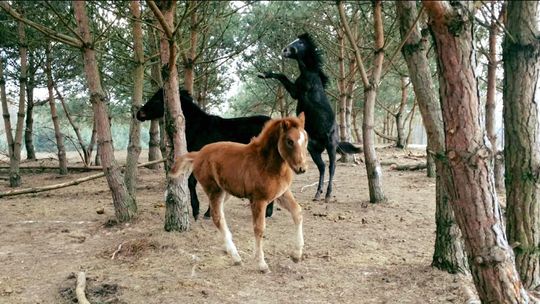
[285, 125]
[302, 118]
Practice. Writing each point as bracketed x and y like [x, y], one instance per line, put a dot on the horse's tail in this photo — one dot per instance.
[347, 147]
[182, 163]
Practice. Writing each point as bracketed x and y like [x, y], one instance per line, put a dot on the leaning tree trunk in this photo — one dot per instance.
[125, 206]
[154, 152]
[373, 167]
[62, 160]
[521, 57]
[449, 251]
[134, 146]
[177, 197]
[473, 195]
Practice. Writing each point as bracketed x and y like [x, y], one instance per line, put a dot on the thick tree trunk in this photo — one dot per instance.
[154, 152]
[62, 160]
[449, 252]
[134, 146]
[521, 57]
[177, 194]
[125, 206]
[490, 101]
[473, 195]
[373, 167]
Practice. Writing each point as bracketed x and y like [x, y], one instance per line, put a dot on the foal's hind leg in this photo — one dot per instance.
[317, 158]
[288, 202]
[216, 203]
[259, 223]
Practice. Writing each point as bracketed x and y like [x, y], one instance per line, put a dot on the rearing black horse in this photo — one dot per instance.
[308, 89]
[203, 129]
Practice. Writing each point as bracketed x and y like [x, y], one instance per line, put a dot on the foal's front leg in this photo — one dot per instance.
[259, 224]
[288, 202]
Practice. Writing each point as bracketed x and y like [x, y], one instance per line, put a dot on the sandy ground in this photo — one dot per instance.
[355, 252]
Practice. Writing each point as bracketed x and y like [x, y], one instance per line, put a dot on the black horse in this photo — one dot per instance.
[203, 129]
[308, 89]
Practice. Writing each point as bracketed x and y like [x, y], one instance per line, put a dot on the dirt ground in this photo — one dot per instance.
[355, 252]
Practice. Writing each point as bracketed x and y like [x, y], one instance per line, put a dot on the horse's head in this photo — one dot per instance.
[300, 47]
[292, 144]
[153, 108]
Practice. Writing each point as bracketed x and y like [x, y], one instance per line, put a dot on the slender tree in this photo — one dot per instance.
[154, 152]
[473, 195]
[373, 167]
[29, 122]
[177, 198]
[521, 57]
[134, 145]
[449, 252]
[62, 159]
[125, 206]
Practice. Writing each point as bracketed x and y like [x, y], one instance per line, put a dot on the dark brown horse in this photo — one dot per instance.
[261, 171]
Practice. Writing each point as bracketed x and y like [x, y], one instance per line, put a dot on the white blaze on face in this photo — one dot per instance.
[302, 138]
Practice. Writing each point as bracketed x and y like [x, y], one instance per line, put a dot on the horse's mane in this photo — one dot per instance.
[189, 105]
[313, 58]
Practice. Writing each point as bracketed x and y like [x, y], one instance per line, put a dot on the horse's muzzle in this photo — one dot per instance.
[288, 52]
[300, 170]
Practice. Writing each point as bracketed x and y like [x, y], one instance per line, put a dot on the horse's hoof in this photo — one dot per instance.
[296, 259]
[264, 270]
[238, 263]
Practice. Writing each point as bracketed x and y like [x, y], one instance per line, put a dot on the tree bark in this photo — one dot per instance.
[177, 193]
[154, 151]
[473, 195]
[125, 206]
[448, 252]
[189, 62]
[521, 57]
[62, 159]
[29, 128]
[400, 118]
[15, 157]
[134, 146]
[373, 167]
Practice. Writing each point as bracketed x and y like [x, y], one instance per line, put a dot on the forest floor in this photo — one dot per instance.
[355, 252]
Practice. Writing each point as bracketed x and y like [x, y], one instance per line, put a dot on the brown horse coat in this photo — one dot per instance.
[260, 171]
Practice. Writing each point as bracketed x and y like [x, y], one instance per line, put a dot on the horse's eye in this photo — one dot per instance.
[290, 142]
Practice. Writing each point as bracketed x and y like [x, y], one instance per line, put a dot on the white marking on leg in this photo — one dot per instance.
[299, 241]
[227, 237]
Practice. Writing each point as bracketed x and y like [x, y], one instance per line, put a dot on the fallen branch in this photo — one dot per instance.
[414, 167]
[67, 184]
[79, 291]
[43, 168]
[311, 185]
[117, 251]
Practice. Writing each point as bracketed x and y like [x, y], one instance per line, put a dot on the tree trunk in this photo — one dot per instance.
[473, 195]
[62, 160]
[134, 146]
[521, 57]
[15, 157]
[125, 206]
[5, 111]
[92, 144]
[154, 152]
[373, 167]
[400, 118]
[342, 101]
[449, 249]
[29, 128]
[177, 194]
[490, 100]
[189, 62]
[355, 126]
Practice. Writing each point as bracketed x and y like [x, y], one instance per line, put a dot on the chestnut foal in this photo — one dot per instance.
[261, 171]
